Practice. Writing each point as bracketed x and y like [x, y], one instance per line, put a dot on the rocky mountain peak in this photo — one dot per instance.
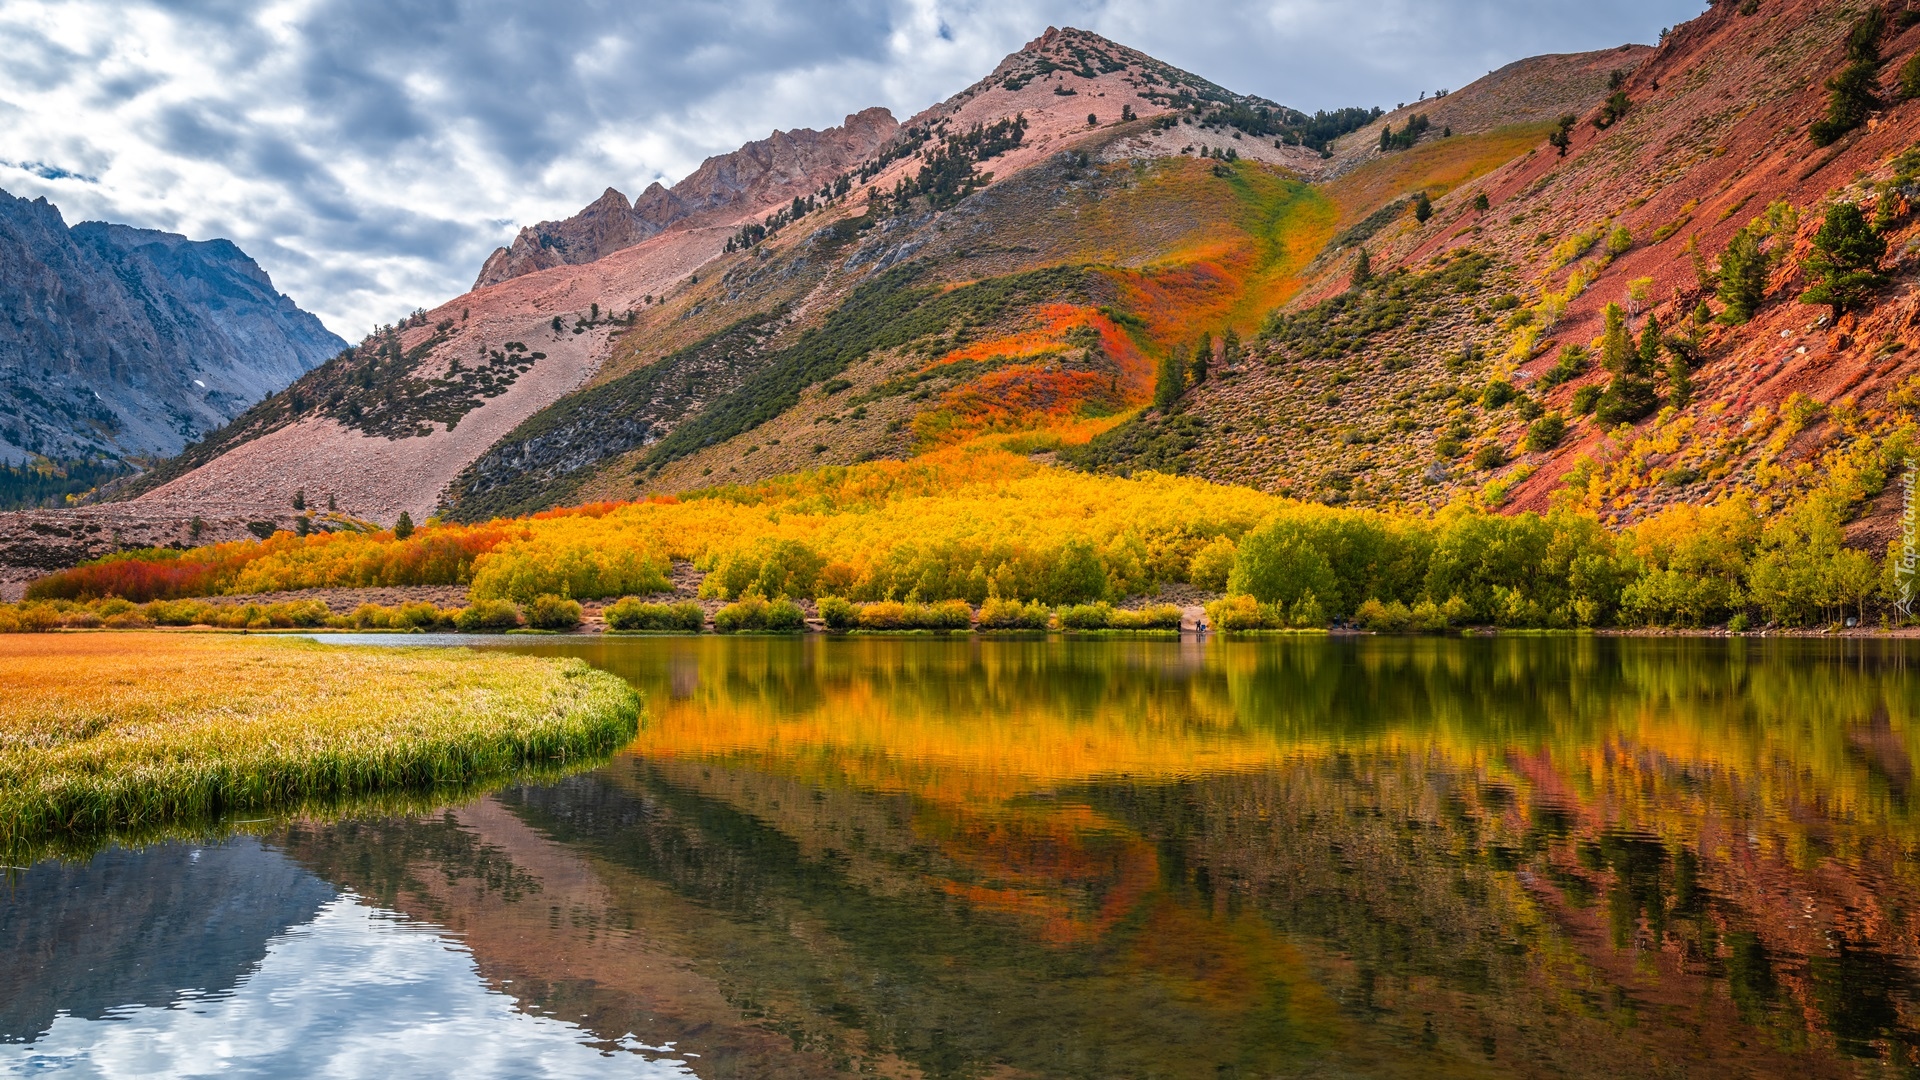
[141, 341]
[759, 175]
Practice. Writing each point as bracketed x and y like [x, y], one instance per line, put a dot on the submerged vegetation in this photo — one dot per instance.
[96, 736]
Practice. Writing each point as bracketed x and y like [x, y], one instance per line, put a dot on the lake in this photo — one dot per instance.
[1519, 856]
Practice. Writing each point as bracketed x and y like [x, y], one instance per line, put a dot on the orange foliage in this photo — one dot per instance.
[1014, 399]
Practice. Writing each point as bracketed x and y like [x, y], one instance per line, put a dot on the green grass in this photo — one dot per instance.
[105, 734]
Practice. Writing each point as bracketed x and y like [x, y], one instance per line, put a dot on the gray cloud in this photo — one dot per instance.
[367, 151]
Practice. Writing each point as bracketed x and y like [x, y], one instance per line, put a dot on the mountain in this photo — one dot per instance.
[129, 342]
[1025, 259]
[780, 167]
[1426, 384]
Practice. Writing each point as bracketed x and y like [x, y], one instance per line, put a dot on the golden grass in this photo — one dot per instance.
[1436, 167]
[104, 732]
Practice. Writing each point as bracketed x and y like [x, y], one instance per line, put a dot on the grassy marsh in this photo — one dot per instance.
[103, 732]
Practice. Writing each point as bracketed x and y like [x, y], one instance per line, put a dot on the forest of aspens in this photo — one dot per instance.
[983, 524]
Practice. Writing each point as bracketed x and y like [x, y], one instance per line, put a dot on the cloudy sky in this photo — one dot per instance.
[370, 153]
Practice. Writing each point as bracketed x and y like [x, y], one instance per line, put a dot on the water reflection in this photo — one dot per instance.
[230, 959]
[1545, 855]
[1541, 857]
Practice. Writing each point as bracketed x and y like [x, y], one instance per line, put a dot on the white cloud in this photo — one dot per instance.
[357, 992]
[367, 151]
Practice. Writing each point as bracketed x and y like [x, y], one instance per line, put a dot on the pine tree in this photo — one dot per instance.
[1172, 381]
[1617, 353]
[1845, 263]
[1679, 382]
[404, 527]
[1650, 342]
[1561, 137]
[1362, 269]
[1744, 268]
[1422, 207]
[1202, 359]
[1855, 90]
[1630, 395]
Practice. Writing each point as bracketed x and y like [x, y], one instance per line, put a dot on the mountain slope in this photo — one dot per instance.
[1392, 393]
[1018, 258]
[126, 341]
[306, 440]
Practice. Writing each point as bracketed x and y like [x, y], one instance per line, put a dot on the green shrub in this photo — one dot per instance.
[999, 614]
[550, 612]
[1627, 398]
[1546, 432]
[1155, 617]
[415, 615]
[420, 615]
[1585, 398]
[838, 613]
[1497, 394]
[483, 616]
[1490, 456]
[1738, 624]
[1572, 363]
[1086, 616]
[631, 613]
[1392, 617]
[1244, 613]
[755, 612]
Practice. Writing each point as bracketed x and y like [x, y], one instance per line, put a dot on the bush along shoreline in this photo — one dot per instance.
[897, 547]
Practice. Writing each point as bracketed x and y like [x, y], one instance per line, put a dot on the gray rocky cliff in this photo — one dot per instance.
[119, 342]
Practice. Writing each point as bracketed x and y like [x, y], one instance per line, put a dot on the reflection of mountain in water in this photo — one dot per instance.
[1549, 857]
[137, 928]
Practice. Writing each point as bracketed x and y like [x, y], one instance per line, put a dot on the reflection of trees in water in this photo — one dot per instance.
[1560, 855]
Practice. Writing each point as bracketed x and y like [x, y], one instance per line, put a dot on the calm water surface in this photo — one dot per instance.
[1520, 857]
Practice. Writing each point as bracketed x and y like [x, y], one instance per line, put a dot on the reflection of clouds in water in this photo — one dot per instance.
[355, 993]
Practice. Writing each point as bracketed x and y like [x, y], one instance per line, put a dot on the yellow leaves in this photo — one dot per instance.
[1574, 246]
